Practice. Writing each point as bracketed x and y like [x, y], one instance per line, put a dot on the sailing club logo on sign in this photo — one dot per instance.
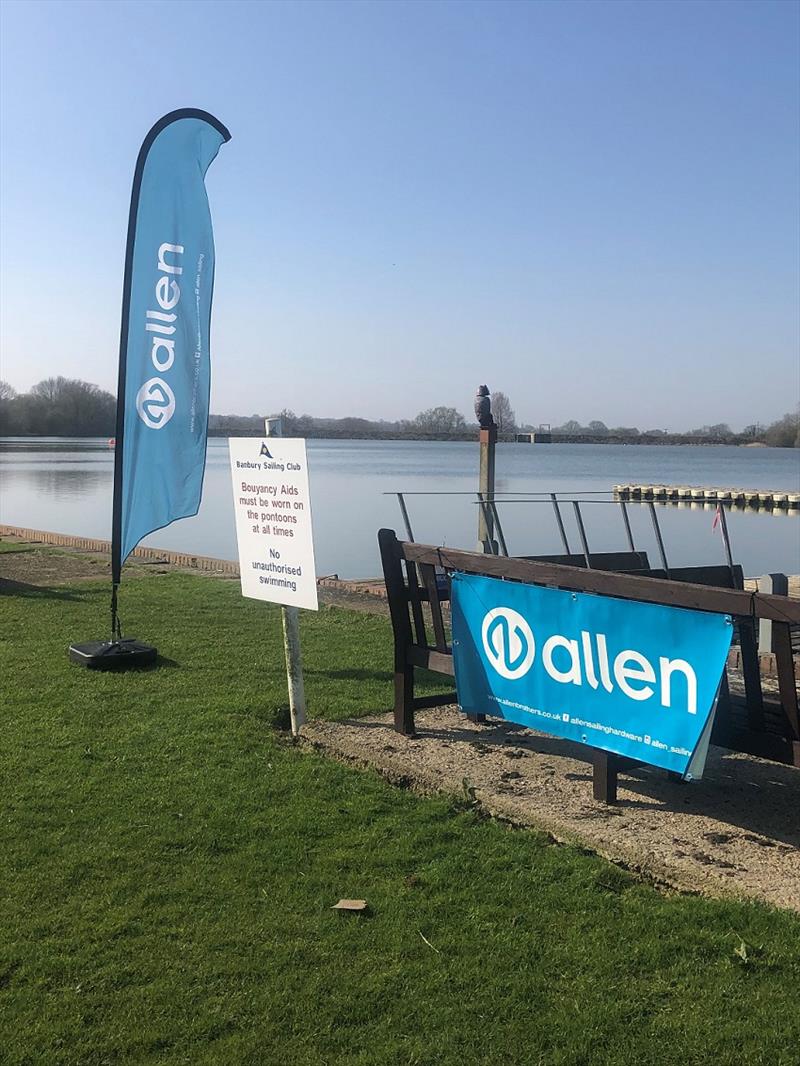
[155, 403]
[508, 642]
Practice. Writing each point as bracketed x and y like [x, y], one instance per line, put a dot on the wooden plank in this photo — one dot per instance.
[634, 560]
[718, 576]
[784, 667]
[764, 745]
[441, 699]
[429, 659]
[751, 672]
[429, 577]
[401, 629]
[724, 701]
[624, 586]
[416, 605]
[395, 587]
[444, 595]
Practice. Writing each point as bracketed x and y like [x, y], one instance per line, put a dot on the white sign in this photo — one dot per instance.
[273, 520]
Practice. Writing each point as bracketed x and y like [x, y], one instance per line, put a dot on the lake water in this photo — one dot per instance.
[64, 485]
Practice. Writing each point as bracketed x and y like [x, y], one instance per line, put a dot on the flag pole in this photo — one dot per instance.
[119, 438]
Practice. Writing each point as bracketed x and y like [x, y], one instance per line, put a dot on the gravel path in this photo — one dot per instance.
[736, 832]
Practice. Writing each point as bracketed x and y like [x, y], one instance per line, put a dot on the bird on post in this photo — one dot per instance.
[483, 407]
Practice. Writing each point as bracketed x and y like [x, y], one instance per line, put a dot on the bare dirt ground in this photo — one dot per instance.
[48, 566]
[736, 832]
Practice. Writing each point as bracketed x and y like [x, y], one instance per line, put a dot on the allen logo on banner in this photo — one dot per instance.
[637, 679]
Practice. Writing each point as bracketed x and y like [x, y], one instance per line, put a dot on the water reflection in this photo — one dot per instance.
[65, 485]
[59, 482]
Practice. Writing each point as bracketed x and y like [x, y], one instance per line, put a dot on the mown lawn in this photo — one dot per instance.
[168, 860]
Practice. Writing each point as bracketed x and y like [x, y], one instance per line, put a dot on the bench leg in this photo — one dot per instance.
[477, 718]
[604, 777]
[404, 701]
[751, 674]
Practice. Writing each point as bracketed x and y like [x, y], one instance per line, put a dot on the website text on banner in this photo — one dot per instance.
[636, 679]
[272, 504]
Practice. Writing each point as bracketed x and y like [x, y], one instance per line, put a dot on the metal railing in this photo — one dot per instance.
[489, 506]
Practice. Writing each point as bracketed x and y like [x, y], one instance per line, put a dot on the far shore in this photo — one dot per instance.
[665, 441]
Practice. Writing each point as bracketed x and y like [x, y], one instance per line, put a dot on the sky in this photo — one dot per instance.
[592, 207]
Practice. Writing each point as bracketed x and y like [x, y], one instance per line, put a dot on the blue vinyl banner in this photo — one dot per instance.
[164, 354]
[637, 679]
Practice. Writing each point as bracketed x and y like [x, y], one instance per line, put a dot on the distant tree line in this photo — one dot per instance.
[57, 407]
[784, 433]
[720, 431]
[437, 423]
[434, 423]
[64, 407]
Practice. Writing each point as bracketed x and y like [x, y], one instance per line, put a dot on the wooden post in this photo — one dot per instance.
[776, 585]
[294, 668]
[291, 633]
[604, 776]
[488, 441]
[784, 667]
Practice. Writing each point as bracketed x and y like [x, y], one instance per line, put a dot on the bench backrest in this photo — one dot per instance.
[723, 577]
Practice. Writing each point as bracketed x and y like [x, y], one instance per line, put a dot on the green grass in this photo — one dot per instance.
[168, 861]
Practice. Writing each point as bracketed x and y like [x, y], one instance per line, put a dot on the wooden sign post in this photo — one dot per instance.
[290, 617]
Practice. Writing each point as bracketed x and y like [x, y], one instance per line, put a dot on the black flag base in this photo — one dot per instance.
[126, 653]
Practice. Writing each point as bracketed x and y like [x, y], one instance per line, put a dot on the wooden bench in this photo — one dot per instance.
[417, 584]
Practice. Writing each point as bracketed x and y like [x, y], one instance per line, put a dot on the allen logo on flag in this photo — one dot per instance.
[155, 403]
